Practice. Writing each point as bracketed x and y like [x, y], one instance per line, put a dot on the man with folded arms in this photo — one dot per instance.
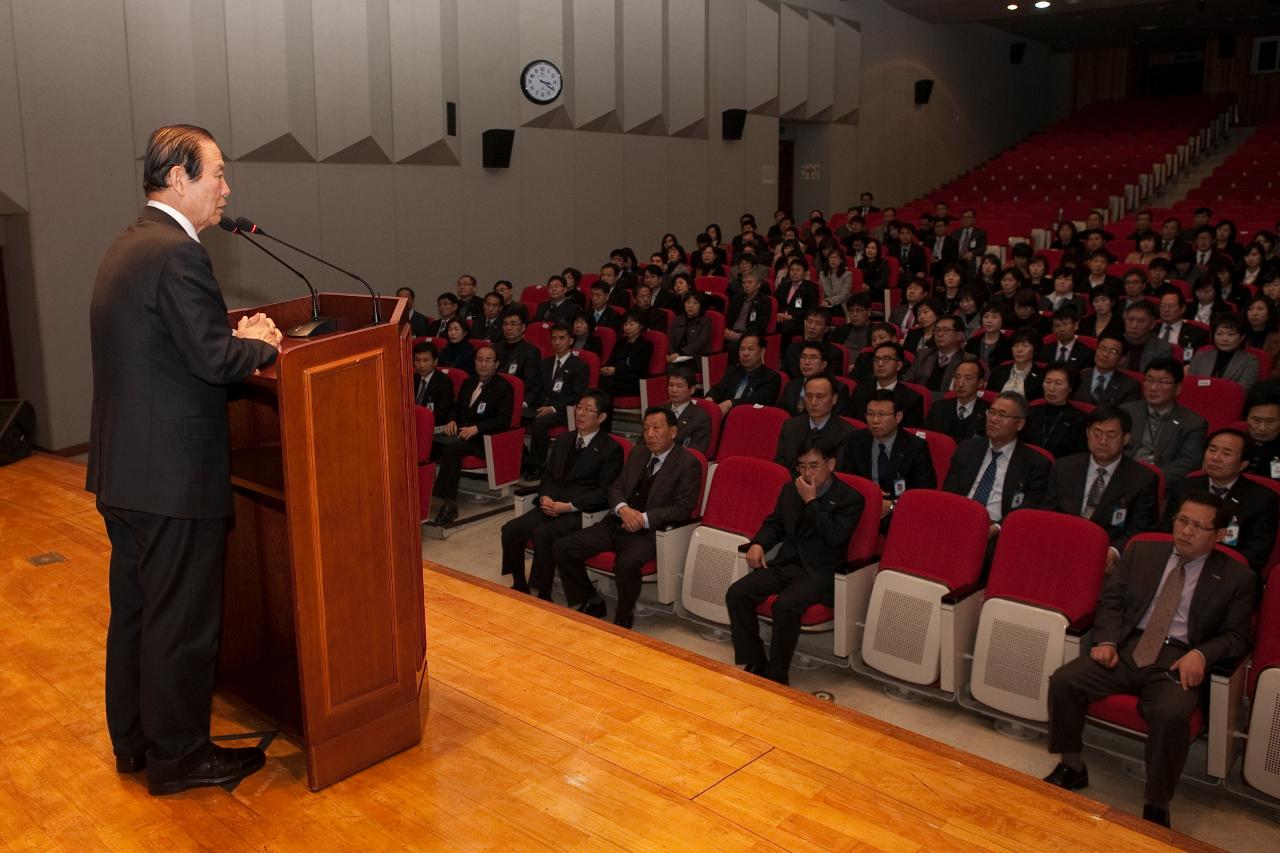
[1168, 613]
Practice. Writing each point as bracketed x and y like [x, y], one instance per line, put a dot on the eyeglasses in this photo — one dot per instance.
[810, 466]
[586, 410]
[884, 359]
[1192, 524]
[1107, 434]
[996, 414]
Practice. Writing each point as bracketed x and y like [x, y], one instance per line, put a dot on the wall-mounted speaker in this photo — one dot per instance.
[17, 430]
[450, 118]
[1017, 51]
[732, 123]
[1227, 46]
[497, 147]
[924, 89]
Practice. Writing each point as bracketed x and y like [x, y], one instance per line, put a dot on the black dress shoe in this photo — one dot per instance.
[447, 515]
[624, 620]
[756, 669]
[131, 763]
[222, 766]
[1155, 814]
[595, 607]
[1064, 777]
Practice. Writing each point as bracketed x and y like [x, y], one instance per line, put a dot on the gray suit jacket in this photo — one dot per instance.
[1180, 447]
[1153, 349]
[1243, 368]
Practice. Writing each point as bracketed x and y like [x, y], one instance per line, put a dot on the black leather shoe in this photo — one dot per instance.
[447, 515]
[131, 763]
[756, 669]
[1155, 814]
[595, 607]
[624, 620]
[222, 766]
[1064, 777]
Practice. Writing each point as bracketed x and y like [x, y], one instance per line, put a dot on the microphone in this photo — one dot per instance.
[317, 325]
[250, 227]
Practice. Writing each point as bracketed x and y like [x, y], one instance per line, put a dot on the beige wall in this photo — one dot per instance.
[331, 114]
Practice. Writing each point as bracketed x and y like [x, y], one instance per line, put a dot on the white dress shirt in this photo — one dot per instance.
[178, 217]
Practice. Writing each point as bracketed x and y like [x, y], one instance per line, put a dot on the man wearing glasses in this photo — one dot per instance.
[1105, 486]
[996, 469]
[1168, 613]
[1165, 434]
[818, 420]
[886, 364]
[580, 468]
[937, 366]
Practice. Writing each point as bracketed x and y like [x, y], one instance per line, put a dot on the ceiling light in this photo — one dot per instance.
[1012, 7]
[1042, 4]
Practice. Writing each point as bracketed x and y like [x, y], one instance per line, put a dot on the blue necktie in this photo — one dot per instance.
[742, 387]
[988, 480]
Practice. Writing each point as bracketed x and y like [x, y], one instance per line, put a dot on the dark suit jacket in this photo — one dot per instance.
[676, 488]
[757, 315]
[630, 362]
[690, 336]
[1132, 488]
[1188, 336]
[913, 264]
[1059, 430]
[911, 404]
[608, 317]
[944, 418]
[574, 377]
[950, 253]
[1254, 507]
[419, 325]
[620, 296]
[496, 401]
[791, 358]
[586, 482]
[1027, 475]
[1002, 351]
[1121, 388]
[487, 330]
[813, 535]
[795, 430]
[1219, 622]
[469, 309]
[163, 354]
[763, 386]
[922, 369]
[548, 313]
[977, 241]
[793, 397]
[524, 360]
[1080, 356]
[439, 394]
[805, 298]
[909, 460]
[693, 428]
[1032, 386]
[1181, 445]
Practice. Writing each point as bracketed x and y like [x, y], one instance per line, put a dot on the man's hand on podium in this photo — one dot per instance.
[259, 327]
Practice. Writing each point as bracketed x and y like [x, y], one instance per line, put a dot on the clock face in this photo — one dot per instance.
[541, 81]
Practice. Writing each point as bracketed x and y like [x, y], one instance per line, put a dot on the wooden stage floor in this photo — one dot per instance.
[545, 730]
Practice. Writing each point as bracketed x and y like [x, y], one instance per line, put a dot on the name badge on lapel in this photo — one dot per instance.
[1233, 533]
[431, 407]
[799, 303]
[559, 383]
[511, 368]
[1118, 517]
[899, 486]
[1275, 469]
[751, 318]
[480, 408]
[1017, 501]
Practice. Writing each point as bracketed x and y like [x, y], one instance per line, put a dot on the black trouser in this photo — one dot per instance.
[544, 530]
[162, 641]
[632, 551]
[540, 429]
[797, 591]
[449, 472]
[1163, 703]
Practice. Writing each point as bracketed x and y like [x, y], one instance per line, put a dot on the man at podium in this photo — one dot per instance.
[159, 463]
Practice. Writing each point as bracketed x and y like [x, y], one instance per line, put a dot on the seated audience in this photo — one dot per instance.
[1104, 383]
[748, 313]
[1021, 375]
[419, 325]
[1165, 434]
[431, 388]
[748, 381]
[690, 334]
[895, 459]
[557, 308]
[580, 468]
[887, 365]
[1180, 335]
[1139, 333]
[1263, 450]
[815, 332]
[693, 425]
[810, 526]
[964, 415]
[1154, 636]
[483, 407]
[1066, 346]
[447, 308]
[813, 363]
[488, 326]
[935, 367]
[660, 483]
[818, 421]
[518, 357]
[1056, 425]
[629, 362]
[797, 296]
[1228, 359]
[562, 379]
[458, 352]
[991, 347]
[600, 312]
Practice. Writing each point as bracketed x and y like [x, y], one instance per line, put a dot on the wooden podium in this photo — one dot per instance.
[323, 627]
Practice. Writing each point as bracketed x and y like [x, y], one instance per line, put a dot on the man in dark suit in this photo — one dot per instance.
[998, 470]
[1253, 508]
[748, 381]
[163, 355]
[797, 296]
[945, 249]
[488, 326]
[936, 366]
[447, 309]
[483, 408]
[557, 308]
[470, 306]
[893, 458]
[811, 524]
[1165, 434]
[887, 363]
[1105, 486]
[964, 415]
[1167, 615]
[600, 311]
[580, 469]
[615, 289]
[419, 326]
[971, 240]
[748, 313]
[1139, 332]
[660, 484]
[693, 425]
[1262, 454]
[518, 357]
[818, 421]
[812, 362]
[1066, 348]
[1103, 383]
[816, 325]
[865, 206]
[562, 379]
[431, 388]
[910, 256]
[1183, 337]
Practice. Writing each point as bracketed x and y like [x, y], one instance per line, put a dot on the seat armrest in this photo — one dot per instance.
[675, 525]
[961, 593]
[526, 491]
[1227, 667]
[742, 549]
[1081, 626]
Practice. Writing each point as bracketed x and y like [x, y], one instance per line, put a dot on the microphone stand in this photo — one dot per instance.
[318, 324]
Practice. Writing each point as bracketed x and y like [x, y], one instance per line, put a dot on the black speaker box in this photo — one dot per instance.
[924, 88]
[17, 430]
[1226, 46]
[497, 148]
[732, 123]
[1017, 51]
